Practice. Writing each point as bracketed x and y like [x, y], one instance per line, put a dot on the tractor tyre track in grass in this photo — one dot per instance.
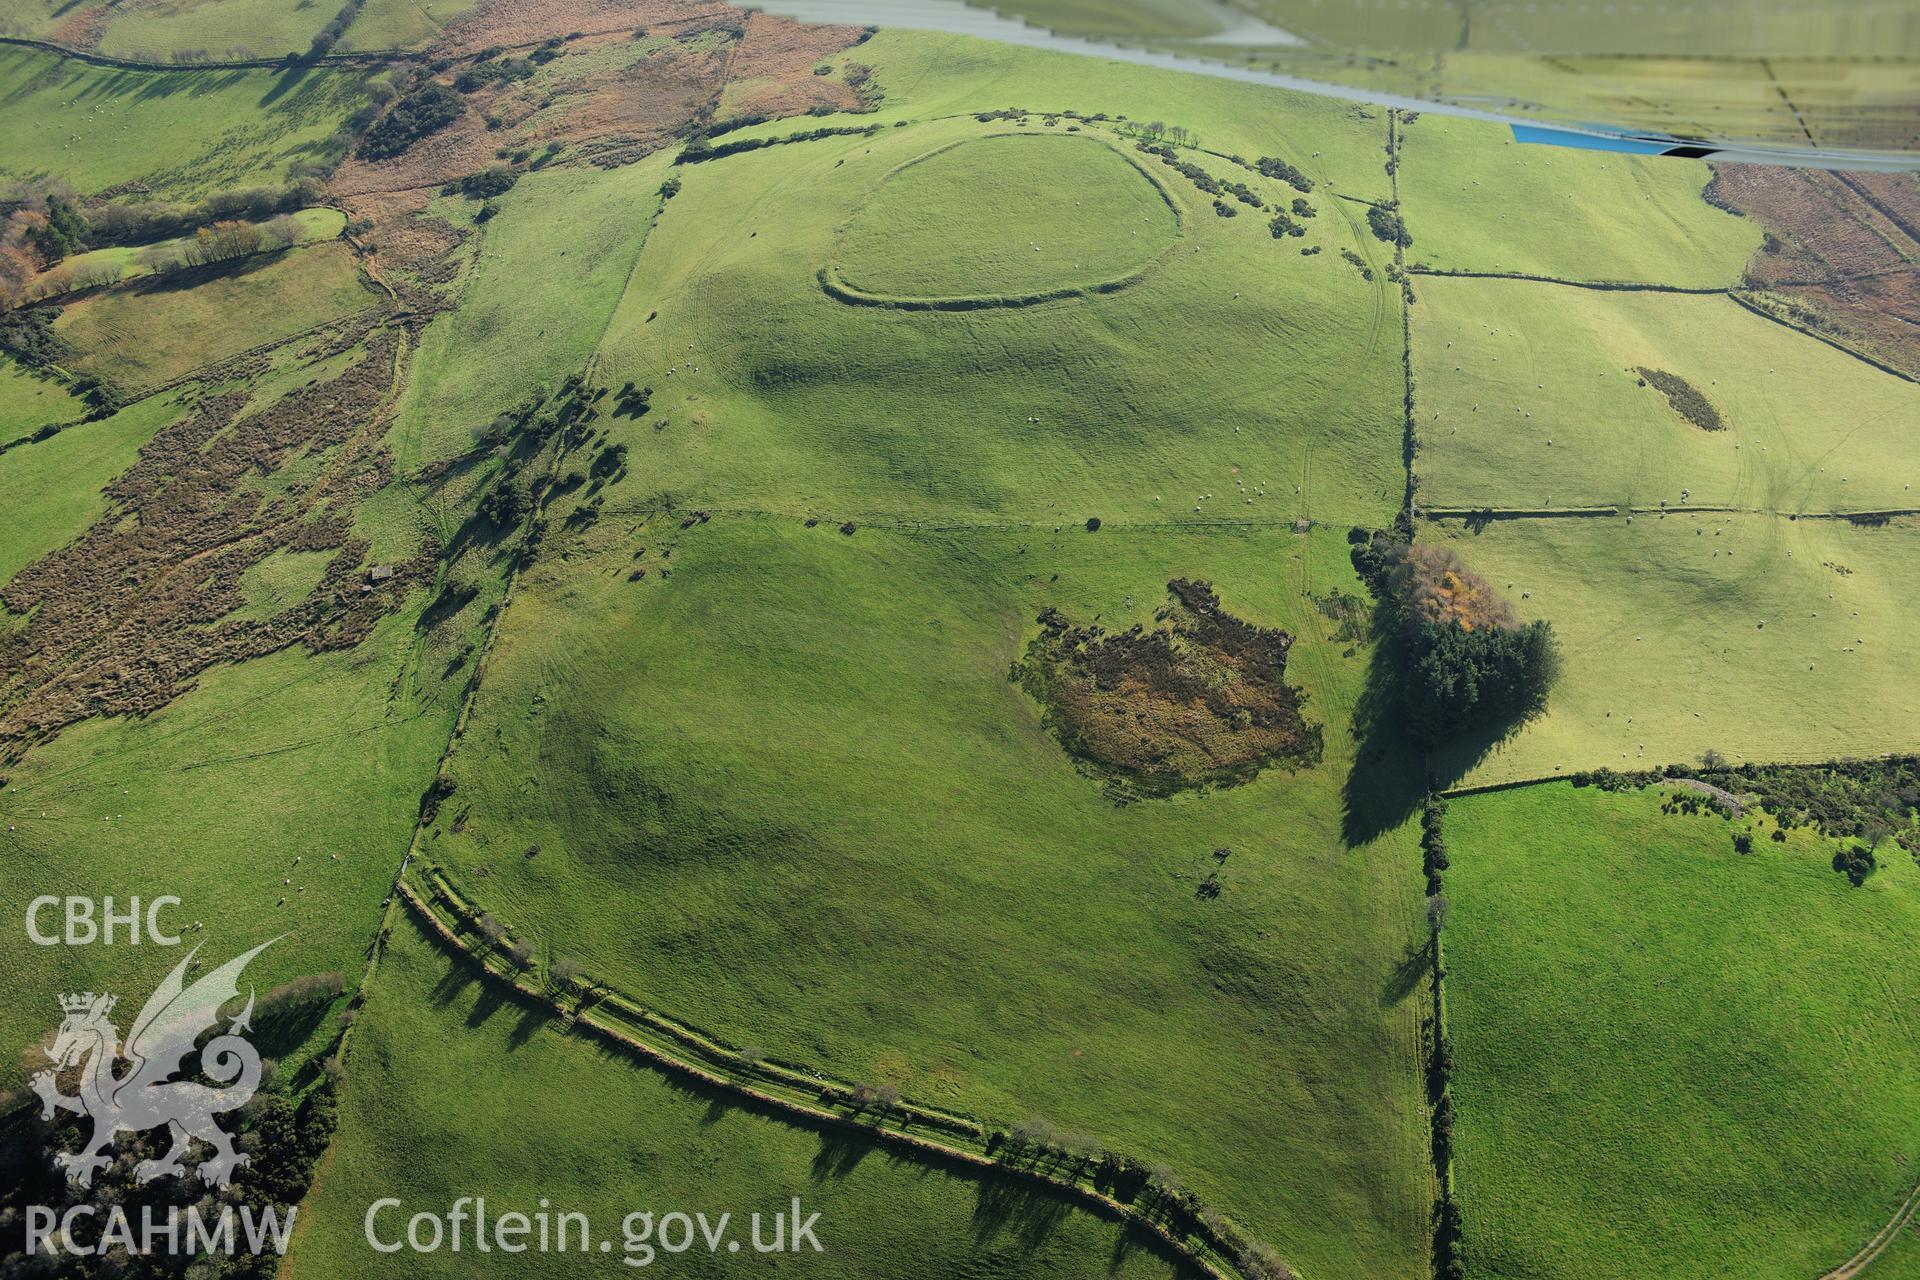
[1903, 1218]
[1211, 1263]
[1376, 323]
[1208, 1261]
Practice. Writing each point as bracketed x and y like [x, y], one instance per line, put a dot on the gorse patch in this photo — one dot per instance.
[1433, 586]
[1388, 226]
[427, 110]
[1200, 699]
[1862, 800]
[1273, 167]
[1686, 399]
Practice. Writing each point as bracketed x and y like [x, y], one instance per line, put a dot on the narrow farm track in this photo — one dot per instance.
[1902, 1218]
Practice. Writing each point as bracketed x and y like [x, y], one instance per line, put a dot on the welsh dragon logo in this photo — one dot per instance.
[145, 1096]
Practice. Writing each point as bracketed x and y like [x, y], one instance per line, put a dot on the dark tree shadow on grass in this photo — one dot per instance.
[1006, 1206]
[485, 1005]
[1454, 760]
[453, 597]
[841, 1152]
[187, 278]
[279, 1032]
[532, 1018]
[1387, 782]
[1407, 975]
[287, 82]
[1133, 1239]
[454, 982]
[1391, 773]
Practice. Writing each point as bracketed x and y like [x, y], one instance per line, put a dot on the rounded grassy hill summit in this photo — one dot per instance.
[1006, 218]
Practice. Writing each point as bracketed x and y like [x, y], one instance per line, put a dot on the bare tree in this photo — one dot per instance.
[282, 232]
[491, 930]
[158, 258]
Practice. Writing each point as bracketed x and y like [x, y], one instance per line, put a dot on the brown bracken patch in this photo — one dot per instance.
[773, 68]
[1822, 228]
[1838, 256]
[515, 24]
[1200, 699]
[82, 28]
[122, 620]
[602, 107]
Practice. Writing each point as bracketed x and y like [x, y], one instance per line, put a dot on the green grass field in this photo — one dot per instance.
[1672, 1059]
[315, 225]
[50, 491]
[148, 333]
[281, 581]
[1527, 396]
[30, 18]
[1238, 360]
[927, 76]
[183, 133]
[1476, 200]
[243, 29]
[227, 29]
[283, 758]
[1006, 227]
[726, 736]
[548, 274]
[217, 28]
[401, 24]
[730, 745]
[757, 740]
[29, 401]
[1667, 658]
[1145, 18]
[440, 1068]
